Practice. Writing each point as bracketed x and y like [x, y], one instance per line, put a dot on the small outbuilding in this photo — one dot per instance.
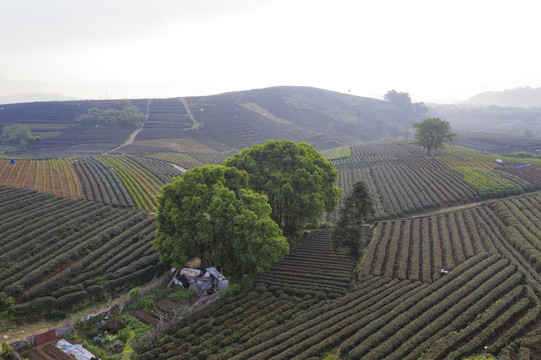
[201, 282]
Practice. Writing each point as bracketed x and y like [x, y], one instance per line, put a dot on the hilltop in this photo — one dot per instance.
[221, 122]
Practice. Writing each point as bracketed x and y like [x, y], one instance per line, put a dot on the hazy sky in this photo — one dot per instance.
[436, 50]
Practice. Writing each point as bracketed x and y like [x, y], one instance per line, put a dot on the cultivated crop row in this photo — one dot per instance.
[381, 318]
[161, 169]
[390, 148]
[531, 173]
[456, 156]
[398, 190]
[183, 160]
[314, 266]
[337, 153]
[522, 227]
[419, 248]
[57, 252]
[142, 185]
[100, 183]
[167, 114]
[489, 298]
[488, 184]
[355, 162]
[405, 181]
[53, 176]
[300, 282]
[216, 158]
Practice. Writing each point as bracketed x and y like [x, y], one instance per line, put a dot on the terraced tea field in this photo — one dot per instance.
[57, 253]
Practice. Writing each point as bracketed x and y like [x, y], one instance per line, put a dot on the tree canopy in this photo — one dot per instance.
[403, 101]
[129, 115]
[209, 213]
[297, 180]
[433, 133]
[18, 136]
[348, 231]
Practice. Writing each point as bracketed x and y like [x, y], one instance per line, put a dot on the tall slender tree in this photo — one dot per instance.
[348, 231]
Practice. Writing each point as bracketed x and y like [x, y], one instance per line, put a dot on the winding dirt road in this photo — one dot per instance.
[185, 103]
[132, 136]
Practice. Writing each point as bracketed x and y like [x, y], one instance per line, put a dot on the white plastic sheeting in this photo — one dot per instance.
[76, 350]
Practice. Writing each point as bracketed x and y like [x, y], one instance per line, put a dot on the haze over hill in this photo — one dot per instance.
[517, 97]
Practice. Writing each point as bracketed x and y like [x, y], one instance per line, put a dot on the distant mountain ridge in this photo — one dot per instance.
[518, 97]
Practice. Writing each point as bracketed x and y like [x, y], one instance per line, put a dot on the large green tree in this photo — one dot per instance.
[433, 133]
[297, 180]
[209, 213]
[348, 231]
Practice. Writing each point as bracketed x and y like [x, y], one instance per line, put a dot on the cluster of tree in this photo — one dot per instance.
[402, 100]
[18, 136]
[129, 115]
[297, 180]
[236, 215]
[210, 213]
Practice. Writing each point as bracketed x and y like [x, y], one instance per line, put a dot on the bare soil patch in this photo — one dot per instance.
[262, 111]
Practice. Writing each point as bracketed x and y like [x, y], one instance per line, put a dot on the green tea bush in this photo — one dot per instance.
[94, 290]
[35, 306]
[67, 290]
[70, 300]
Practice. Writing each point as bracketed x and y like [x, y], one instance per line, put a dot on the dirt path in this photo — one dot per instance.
[447, 209]
[501, 125]
[132, 136]
[185, 103]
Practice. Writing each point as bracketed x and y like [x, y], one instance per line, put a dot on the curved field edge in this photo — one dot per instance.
[58, 253]
[402, 308]
[403, 181]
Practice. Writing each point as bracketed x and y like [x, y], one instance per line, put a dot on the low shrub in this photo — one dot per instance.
[181, 294]
[149, 305]
[35, 306]
[70, 300]
[5, 301]
[134, 293]
[13, 290]
[94, 290]
[132, 324]
[67, 290]
[233, 290]
[56, 315]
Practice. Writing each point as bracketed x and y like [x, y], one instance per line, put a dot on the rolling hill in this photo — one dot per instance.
[518, 97]
[78, 229]
[237, 120]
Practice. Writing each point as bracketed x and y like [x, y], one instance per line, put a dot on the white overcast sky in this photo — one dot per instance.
[439, 51]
